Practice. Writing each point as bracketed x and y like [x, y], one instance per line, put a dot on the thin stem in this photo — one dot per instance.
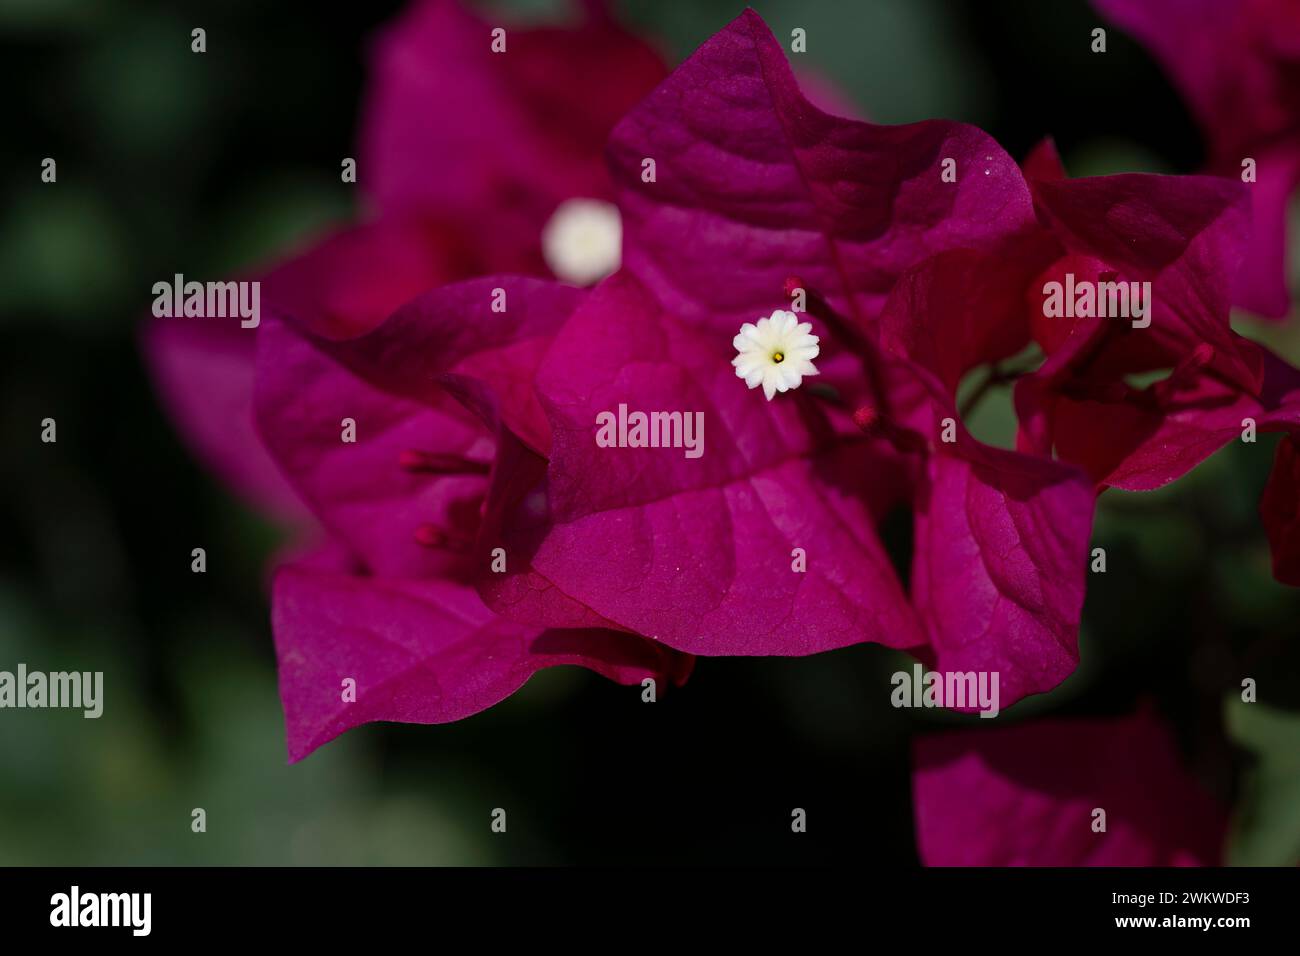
[997, 376]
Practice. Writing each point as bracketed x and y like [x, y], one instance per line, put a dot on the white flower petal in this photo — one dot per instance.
[582, 241]
[758, 344]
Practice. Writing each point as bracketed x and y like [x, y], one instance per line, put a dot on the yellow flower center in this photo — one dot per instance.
[778, 357]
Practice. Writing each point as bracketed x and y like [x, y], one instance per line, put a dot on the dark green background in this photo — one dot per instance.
[172, 162]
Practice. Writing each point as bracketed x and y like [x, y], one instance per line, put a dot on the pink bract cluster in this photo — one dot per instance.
[475, 532]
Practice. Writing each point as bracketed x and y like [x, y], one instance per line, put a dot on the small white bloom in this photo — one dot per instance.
[582, 241]
[776, 353]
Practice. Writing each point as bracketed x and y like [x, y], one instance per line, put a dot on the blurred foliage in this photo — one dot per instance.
[1266, 828]
[174, 163]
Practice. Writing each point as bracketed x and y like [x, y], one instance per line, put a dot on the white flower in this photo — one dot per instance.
[582, 241]
[776, 353]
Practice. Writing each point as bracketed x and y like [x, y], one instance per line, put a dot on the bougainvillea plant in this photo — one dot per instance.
[387, 530]
[1237, 63]
[649, 383]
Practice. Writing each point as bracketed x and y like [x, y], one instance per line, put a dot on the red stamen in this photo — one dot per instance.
[875, 425]
[1201, 356]
[867, 418]
[431, 536]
